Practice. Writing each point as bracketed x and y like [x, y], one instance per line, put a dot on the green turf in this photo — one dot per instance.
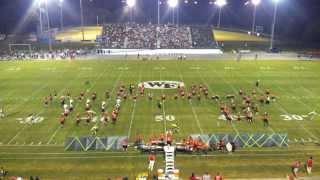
[38, 149]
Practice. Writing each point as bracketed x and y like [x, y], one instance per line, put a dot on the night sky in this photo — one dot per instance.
[298, 20]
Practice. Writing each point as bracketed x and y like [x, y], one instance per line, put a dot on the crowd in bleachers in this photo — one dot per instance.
[202, 37]
[174, 37]
[149, 36]
[41, 55]
[141, 36]
[114, 35]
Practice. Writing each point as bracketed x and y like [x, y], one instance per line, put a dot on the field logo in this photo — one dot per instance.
[295, 117]
[161, 84]
[33, 119]
[160, 118]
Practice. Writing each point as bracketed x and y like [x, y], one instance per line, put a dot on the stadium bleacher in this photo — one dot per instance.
[141, 36]
[202, 37]
[114, 35]
[149, 36]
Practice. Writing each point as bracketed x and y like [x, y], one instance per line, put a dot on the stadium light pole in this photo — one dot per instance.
[255, 4]
[274, 22]
[40, 15]
[61, 13]
[131, 4]
[158, 16]
[48, 25]
[81, 19]
[220, 4]
[173, 4]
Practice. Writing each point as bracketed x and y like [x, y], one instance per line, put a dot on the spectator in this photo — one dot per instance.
[295, 168]
[152, 160]
[202, 37]
[290, 177]
[3, 172]
[206, 176]
[193, 177]
[218, 176]
[309, 165]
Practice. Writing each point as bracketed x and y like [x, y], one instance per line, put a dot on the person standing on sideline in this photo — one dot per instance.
[193, 177]
[1, 113]
[218, 177]
[265, 119]
[309, 165]
[295, 168]
[206, 176]
[152, 160]
[257, 83]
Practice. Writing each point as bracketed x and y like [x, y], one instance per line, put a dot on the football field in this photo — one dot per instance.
[36, 147]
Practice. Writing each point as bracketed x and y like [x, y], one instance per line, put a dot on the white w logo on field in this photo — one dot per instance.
[161, 84]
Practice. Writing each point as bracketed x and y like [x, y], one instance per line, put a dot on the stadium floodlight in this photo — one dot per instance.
[255, 2]
[220, 4]
[131, 3]
[173, 3]
[276, 2]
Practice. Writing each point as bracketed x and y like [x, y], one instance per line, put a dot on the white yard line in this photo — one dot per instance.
[195, 115]
[206, 83]
[131, 119]
[164, 118]
[31, 97]
[17, 134]
[9, 94]
[235, 91]
[270, 128]
[299, 101]
[28, 98]
[286, 112]
[54, 134]
[25, 101]
[310, 92]
[163, 108]
[115, 84]
[56, 131]
[95, 82]
[300, 124]
[134, 107]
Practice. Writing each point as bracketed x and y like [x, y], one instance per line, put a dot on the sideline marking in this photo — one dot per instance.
[143, 156]
[54, 134]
